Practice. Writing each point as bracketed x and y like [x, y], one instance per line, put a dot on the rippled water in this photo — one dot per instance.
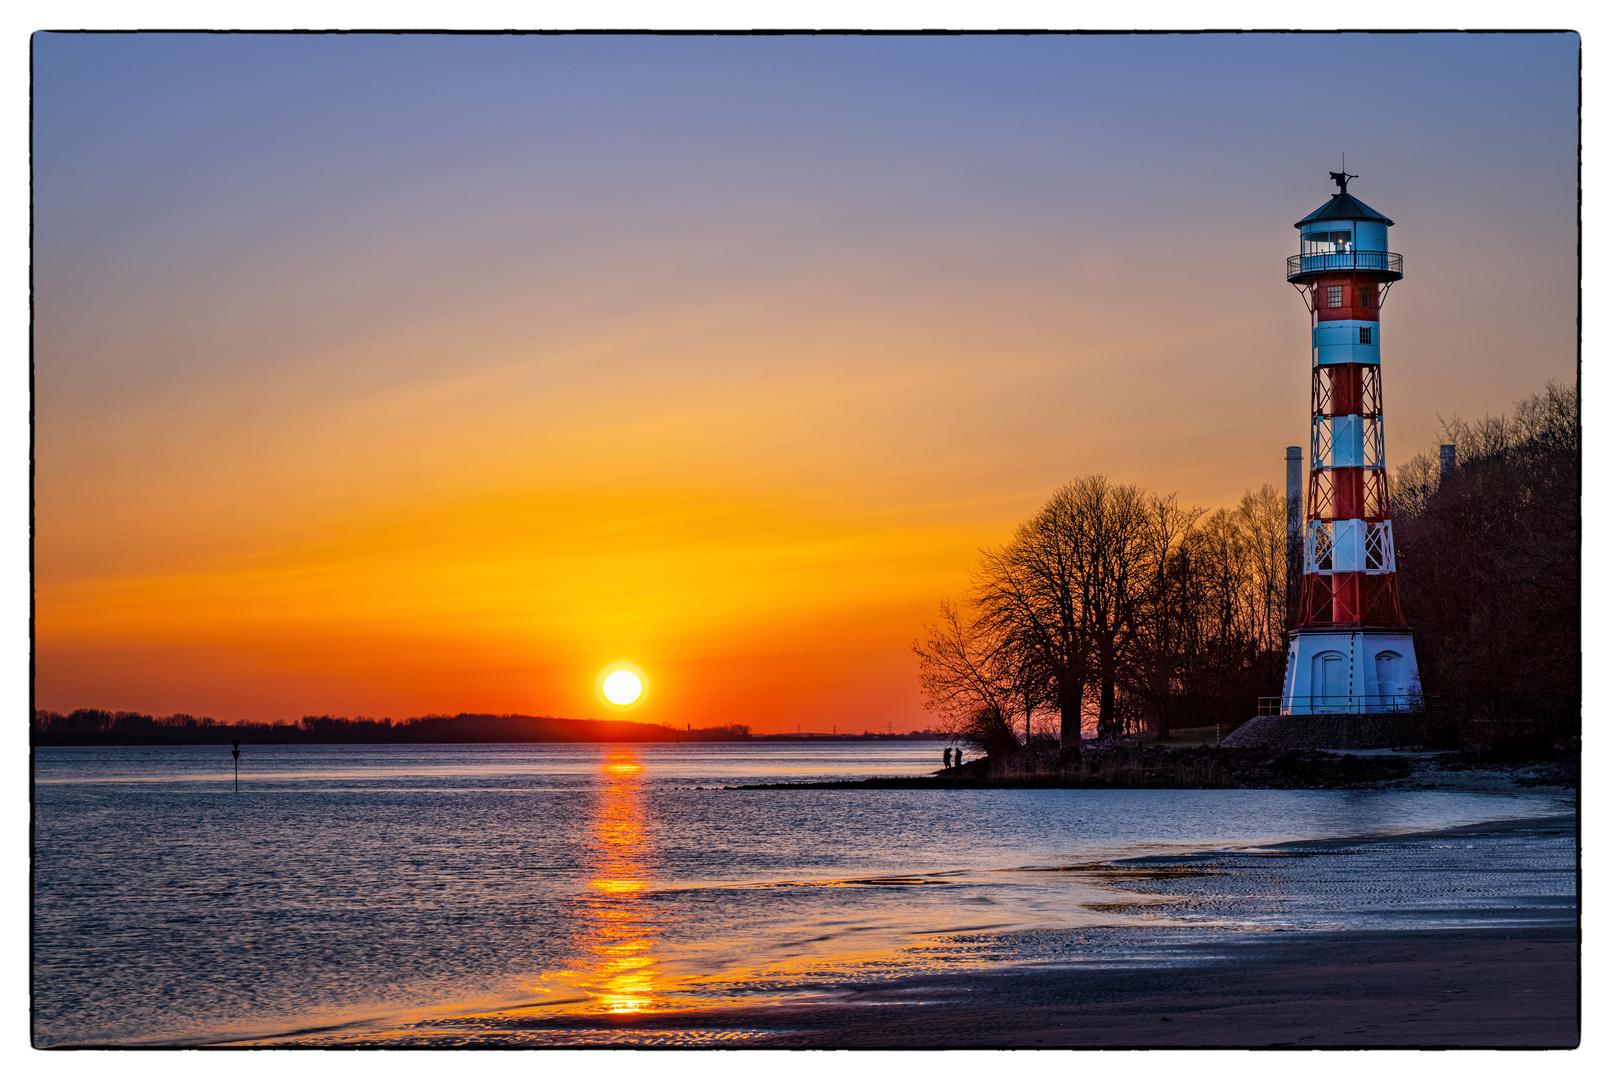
[368, 883]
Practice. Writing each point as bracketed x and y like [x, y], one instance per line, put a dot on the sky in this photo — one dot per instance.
[388, 375]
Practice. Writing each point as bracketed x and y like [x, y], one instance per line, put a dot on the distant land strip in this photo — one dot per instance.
[98, 727]
[1132, 766]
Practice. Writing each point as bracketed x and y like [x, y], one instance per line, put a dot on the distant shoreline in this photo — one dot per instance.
[676, 737]
[98, 727]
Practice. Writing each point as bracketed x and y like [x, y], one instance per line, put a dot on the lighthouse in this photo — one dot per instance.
[1349, 650]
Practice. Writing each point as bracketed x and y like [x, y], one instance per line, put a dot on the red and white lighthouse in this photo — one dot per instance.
[1350, 649]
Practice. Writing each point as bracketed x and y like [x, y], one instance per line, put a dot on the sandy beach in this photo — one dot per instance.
[1394, 989]
[1451, 988]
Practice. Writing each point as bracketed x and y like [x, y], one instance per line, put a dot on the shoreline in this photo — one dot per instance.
[1231, 768]
[1513, 983]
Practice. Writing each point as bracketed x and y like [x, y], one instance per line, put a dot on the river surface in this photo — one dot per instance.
[370, 887]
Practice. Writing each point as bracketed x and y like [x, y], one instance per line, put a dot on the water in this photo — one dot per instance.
[379, 885]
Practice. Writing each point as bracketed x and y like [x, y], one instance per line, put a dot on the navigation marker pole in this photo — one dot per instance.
[235, 748]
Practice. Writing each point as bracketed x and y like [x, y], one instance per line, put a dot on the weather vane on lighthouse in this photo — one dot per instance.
[1350, 649]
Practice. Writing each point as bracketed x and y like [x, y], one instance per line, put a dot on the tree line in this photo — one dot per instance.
[98, 727]
[1490, 563]
[1114, 610]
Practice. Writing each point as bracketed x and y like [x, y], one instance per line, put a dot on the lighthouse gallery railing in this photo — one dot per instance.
[1386, 262]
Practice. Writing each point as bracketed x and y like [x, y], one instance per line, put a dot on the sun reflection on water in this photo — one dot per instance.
[618, 947]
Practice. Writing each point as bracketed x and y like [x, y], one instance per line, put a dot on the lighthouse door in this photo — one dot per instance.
[1331, 679]
[1387, 679]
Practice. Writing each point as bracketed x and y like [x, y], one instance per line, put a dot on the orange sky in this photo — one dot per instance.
[392, 377]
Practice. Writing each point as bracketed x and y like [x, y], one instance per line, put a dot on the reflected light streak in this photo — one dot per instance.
[620, 940]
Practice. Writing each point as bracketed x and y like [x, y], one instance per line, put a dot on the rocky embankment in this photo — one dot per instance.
[1330, 731]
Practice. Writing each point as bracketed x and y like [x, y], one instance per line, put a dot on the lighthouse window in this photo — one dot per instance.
[1364, 335]
[1367, 296]
[1334, 296]
[1327, 243]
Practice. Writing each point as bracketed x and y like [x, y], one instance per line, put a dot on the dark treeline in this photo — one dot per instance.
[96, 727]
[866, 736]
[1490, 566]
[1113, 610]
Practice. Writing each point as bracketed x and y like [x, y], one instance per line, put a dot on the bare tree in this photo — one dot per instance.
[1114, 521]
[971, 678]
[1411, 483]
[1028, 593]
[1063, 596]
[1262, 517]
[1162, 618]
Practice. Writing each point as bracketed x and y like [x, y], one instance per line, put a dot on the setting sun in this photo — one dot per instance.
[622, 687]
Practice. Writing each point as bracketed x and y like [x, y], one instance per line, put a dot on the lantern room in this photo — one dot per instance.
[1344, 236]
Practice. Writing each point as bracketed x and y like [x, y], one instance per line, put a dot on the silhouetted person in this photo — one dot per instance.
[947, 757]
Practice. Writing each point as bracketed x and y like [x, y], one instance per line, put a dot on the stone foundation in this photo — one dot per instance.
[1330, 731]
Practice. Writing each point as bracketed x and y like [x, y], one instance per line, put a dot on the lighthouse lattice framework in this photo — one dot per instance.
[1350, 649]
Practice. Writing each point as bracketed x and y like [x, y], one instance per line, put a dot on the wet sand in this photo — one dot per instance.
[1434, 988]
[1422, 989]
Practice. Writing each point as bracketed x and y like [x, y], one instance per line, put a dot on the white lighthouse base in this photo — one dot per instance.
[1350, 671]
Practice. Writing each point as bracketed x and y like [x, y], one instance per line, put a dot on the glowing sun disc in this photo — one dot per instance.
[622, 687]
